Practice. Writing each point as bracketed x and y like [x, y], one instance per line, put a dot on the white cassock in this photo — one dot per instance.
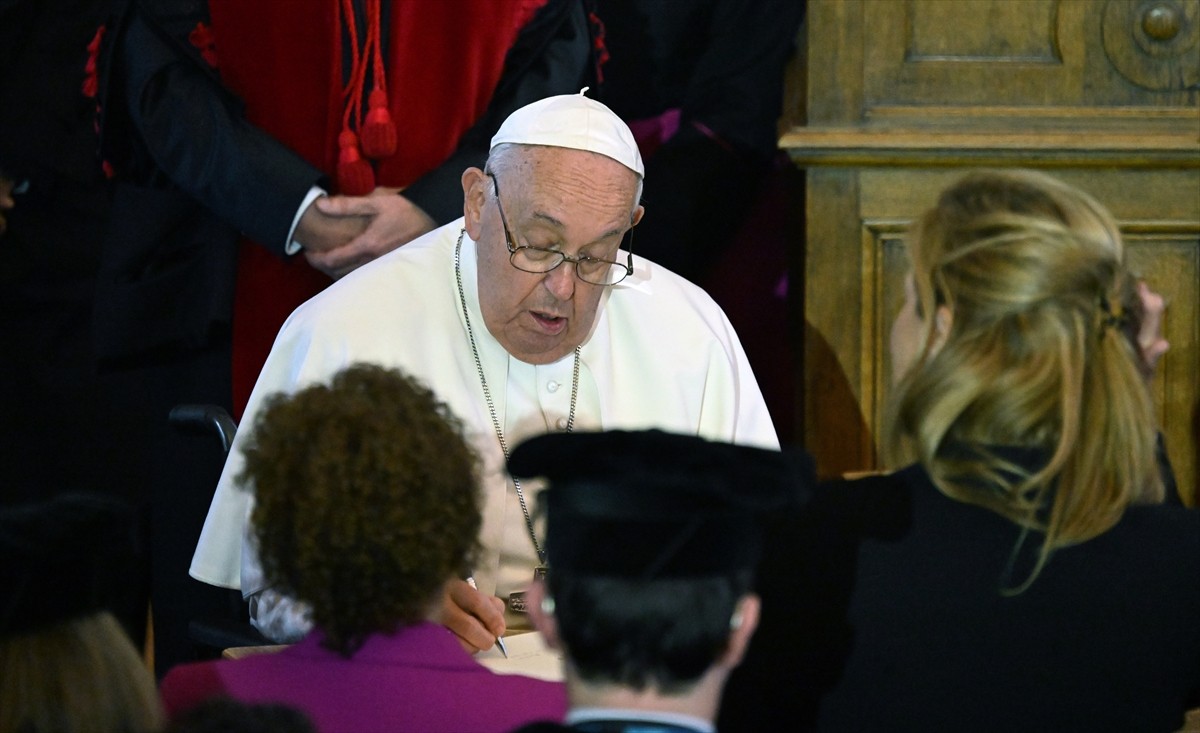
[661, 354]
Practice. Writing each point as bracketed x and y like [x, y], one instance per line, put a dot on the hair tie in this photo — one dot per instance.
[1113, 315]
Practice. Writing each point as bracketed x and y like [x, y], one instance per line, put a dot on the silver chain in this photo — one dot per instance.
[487, 396]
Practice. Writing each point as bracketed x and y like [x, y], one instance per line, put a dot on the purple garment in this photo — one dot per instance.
[418, 679]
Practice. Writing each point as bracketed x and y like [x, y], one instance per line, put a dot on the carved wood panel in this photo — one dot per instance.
[854, 290]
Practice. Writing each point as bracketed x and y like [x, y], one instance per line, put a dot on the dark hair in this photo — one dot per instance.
[662, 633]
[226, 715]
[366, 500]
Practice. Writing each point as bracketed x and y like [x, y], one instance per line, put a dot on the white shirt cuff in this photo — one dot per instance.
[281, 619]
[292, 246]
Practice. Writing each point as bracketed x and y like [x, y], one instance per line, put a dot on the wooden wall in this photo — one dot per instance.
[895, 99]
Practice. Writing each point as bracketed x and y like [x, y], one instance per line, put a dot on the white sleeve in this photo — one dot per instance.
[280, 618]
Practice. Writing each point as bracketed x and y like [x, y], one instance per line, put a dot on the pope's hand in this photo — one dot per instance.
[476, 619]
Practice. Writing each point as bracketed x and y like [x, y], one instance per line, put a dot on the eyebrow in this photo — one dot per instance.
[547, 219]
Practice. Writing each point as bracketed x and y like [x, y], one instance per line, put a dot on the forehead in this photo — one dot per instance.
[567, 189]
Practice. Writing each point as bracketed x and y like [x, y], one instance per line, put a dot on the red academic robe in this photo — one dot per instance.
[284, 60]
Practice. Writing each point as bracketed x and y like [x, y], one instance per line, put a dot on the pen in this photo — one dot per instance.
[499, 639]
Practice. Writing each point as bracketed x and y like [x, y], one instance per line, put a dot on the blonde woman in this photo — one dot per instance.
[1023, 572]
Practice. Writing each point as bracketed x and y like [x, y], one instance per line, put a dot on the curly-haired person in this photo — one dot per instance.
[366, 525]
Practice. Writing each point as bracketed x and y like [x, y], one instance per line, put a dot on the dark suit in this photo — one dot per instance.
[893, 604]
[66, 426]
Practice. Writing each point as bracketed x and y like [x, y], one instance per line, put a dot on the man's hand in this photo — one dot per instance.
[319, 232]
[476, 619]
[1150, 341]
[6, 202]
[393, 221]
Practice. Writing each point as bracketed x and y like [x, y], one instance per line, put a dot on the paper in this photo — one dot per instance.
[527, 655]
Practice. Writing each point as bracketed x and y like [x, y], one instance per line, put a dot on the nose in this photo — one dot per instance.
[561, 281]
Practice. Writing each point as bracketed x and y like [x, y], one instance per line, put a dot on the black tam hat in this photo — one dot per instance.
[643, 505]
[60, 559]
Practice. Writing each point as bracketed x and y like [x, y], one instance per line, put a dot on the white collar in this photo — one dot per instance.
[583, 715]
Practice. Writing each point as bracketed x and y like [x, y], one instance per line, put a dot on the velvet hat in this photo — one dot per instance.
[59, 559]
[643, 505]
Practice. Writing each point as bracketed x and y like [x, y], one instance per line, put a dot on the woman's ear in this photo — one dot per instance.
[474, 186]
[943, 319]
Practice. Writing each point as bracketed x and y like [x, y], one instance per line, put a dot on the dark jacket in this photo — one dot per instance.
[888, 597]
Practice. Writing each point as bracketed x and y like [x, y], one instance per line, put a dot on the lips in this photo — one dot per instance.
[549, 323]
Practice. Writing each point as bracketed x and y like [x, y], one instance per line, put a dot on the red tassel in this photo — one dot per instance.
[379, 132]
[91, 84]
[354, 175]
[205, 42]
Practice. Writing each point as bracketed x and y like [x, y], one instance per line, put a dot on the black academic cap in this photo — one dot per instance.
[60, 559]
[651, 504]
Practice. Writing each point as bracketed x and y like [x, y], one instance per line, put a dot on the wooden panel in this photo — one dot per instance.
[985, 30]
[835, 430]
[1001, 52]
[878, 61]
[1168, 140]
[902, 96]
[855, 287]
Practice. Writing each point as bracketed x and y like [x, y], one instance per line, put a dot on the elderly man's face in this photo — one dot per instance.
[578, 202]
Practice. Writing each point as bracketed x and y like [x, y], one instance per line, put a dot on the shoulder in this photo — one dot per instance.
[868, 504]
[653, 283]
[187, 685]
[1168, 530]
[412, 281]
[661, 305]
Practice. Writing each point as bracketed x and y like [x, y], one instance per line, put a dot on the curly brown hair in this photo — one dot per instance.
[366, 500]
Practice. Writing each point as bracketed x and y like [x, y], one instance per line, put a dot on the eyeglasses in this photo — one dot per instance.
[540, 260]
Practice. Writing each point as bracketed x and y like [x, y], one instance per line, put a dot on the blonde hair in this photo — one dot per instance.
[80, 675]
[1039, 355]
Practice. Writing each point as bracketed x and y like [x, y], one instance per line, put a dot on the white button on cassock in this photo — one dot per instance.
[552, 386]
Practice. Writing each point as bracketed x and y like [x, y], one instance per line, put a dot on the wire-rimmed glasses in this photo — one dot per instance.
[540, 260]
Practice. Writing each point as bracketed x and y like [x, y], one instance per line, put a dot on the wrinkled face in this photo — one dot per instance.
[907, 332]
[578, 202]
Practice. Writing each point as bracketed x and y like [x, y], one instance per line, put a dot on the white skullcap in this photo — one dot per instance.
[576, 122]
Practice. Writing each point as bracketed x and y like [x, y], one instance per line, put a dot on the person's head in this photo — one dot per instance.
[564, 174]
[65, 663]
[366, 500]
[651, 539]
[1016, 333]
[227, 715]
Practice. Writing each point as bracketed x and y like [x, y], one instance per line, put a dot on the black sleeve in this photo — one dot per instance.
[736, 88]
[551, 55]
[168, 119]
[806, 581]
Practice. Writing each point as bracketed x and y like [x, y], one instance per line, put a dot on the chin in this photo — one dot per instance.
[542, 354]
[545, 357]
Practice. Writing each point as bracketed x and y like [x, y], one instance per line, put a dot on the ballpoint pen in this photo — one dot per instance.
[499, 639]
